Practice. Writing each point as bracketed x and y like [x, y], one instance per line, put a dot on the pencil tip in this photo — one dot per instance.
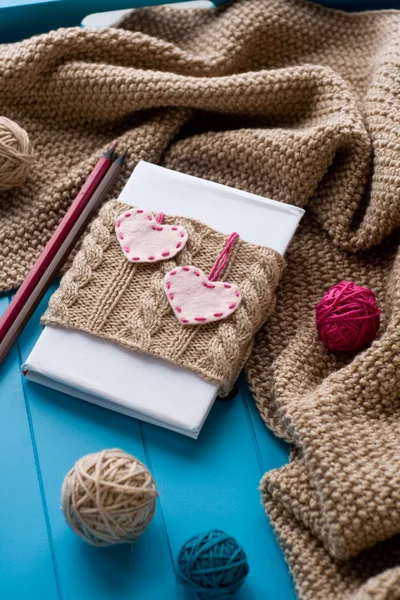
[110, 152]
[121, 159]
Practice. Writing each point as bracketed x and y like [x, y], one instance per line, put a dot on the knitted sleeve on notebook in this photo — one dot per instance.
[106, 295]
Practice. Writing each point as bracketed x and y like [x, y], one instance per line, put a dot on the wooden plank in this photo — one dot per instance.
[213, 482]
[204, 483]
[66, 429]
[272, 453]
[26, 567]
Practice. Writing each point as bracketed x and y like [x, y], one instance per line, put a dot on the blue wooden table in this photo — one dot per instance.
[207, 483]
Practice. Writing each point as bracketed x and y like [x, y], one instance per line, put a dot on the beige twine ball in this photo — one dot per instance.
[109, 497]
[16, 154]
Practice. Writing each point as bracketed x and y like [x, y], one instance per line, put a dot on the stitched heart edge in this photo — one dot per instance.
[200, 320]
[166, 255]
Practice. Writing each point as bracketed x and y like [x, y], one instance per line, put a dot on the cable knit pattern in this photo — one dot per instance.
[152, 306]
[85, 262]
[105, 295]
[284, 99]
[234, 339]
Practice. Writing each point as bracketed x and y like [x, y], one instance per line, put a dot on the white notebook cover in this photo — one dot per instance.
[106, 374]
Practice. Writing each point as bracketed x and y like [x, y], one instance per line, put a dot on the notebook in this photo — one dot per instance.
[102, 372]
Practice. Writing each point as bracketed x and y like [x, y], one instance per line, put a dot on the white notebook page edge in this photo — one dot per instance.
[107, 404]
[100, 368]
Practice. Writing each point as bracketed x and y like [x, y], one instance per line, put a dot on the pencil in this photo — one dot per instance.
[60, 257]
[55, 241]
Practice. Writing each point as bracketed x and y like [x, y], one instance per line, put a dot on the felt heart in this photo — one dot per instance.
[196, 300]
[143, 239]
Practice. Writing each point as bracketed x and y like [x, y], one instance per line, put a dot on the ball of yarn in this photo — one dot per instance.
[347, 317]
[109, 497]
[213, 564]
[16, 154]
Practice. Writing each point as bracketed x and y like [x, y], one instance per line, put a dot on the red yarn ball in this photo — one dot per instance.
[347, 317]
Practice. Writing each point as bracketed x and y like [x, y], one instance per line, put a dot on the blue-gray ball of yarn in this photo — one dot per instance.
[213, 564]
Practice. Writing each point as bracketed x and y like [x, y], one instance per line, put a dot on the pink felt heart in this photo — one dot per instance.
[143, 239]
[196, 300]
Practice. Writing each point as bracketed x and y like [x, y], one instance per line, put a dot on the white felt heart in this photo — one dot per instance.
[144, 240]
[196, 300]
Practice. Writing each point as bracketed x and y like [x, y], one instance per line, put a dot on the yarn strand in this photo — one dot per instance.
[222, 259]
[109, 498]
[16, 154]
[347, 317]
[213, 564]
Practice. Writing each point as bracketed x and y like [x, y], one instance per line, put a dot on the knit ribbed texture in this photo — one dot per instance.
[283, 99]
[105, 295]
[340, 494]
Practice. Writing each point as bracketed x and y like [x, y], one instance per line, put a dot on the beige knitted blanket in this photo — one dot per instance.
[288, 100]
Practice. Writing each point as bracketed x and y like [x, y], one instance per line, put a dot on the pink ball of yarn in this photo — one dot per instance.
[347, 317]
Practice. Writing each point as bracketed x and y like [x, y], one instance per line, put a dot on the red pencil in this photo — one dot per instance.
[55, 241]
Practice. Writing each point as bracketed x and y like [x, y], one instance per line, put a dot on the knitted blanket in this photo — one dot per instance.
[287, 100]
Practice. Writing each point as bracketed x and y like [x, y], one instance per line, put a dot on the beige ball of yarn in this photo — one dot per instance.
[16, 154]
[109, 497]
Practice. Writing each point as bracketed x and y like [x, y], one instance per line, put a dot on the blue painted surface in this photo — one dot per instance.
[26, 565]
[204, 483]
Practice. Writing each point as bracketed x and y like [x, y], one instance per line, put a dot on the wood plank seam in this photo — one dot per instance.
[243, 398]
[40, 480]
[160, 511]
